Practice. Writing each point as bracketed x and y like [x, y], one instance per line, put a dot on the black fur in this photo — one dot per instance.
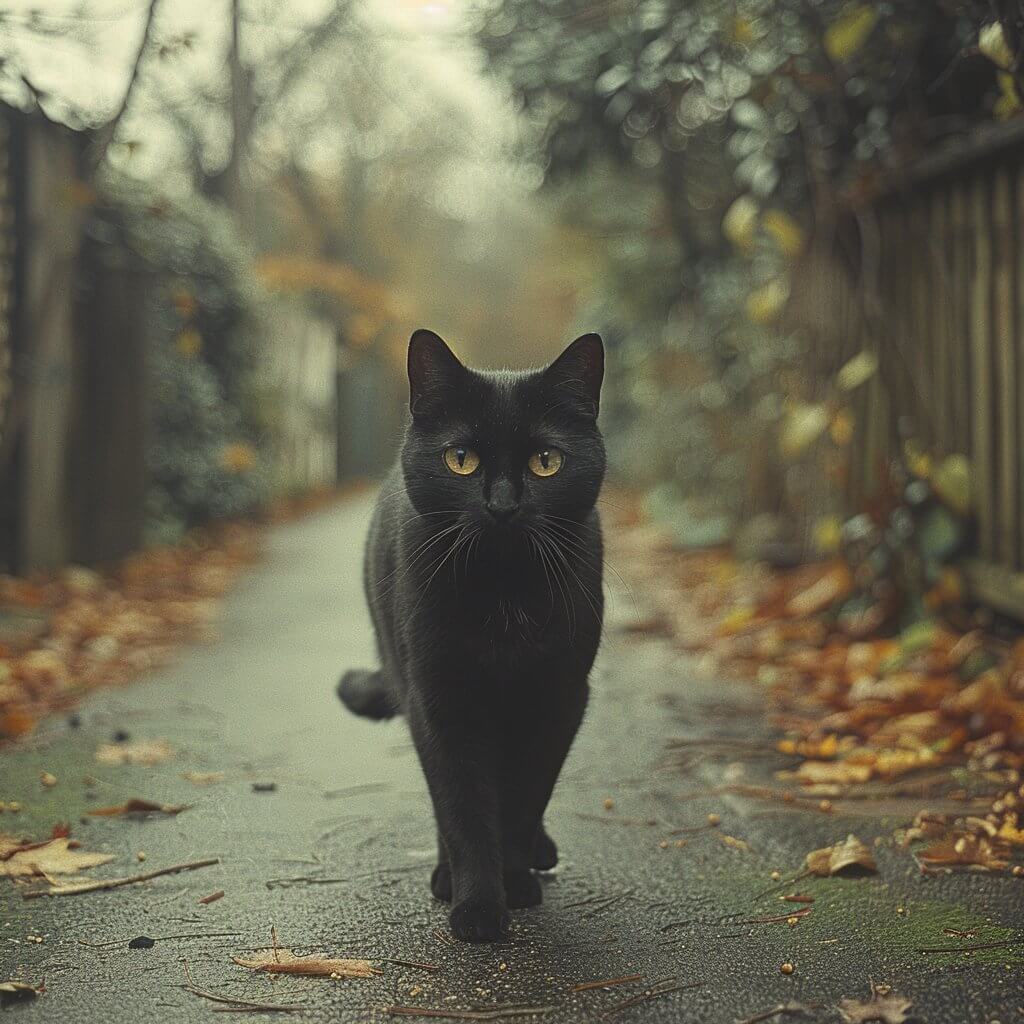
[485, 592]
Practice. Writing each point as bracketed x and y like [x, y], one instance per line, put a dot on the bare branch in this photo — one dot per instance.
[106, 134]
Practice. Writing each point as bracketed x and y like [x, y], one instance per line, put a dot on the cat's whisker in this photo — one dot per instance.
[567, 565]
[547, 553]
[584, 552]
[416, 556]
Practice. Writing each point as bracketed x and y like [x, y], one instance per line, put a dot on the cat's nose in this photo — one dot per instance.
[502, 502]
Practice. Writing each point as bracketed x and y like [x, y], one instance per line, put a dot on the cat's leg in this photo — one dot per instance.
[441, 877]
[531, 765]
[545, 852]
[458, 763]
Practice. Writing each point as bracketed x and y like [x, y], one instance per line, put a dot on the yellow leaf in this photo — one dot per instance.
[189, 342]
[764, 304]
[801, 427]
[849, 32]
[55, 857]
[740, 223]
[919, 462]
[736, 620]
[841, 428]
[827, 534]
[992, 43]
[1008, 104]
[833, 860]
[952, 482]
[784, 231]
[860, 369]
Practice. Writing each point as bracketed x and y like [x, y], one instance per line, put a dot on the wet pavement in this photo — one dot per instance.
[336, 857]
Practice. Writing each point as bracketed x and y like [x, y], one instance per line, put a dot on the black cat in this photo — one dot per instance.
[483, 576]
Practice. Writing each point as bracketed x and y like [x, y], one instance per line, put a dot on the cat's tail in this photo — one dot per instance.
[364, 693]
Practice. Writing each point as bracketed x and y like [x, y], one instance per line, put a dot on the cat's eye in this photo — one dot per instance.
[461, 460]
[546, 462]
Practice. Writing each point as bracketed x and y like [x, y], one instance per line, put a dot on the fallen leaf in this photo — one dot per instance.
[963, 850]
[842, 773]
[142, 752]
[833, 860]
[880, 1009]
[284, 961]
[136, 806]
[54, 857]
[833, 586]
[16, 991]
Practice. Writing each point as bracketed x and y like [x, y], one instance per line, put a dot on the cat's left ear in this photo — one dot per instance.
[434, 372]
[580, 370]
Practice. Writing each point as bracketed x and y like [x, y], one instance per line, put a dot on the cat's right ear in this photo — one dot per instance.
[434, 372]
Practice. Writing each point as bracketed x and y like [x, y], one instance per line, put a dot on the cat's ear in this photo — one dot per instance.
[580, 370]
[433, 371]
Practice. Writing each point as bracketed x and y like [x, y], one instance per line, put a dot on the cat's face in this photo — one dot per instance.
[504, 452]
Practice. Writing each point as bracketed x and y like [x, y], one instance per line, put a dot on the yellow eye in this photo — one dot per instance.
[545, 463]
[460, 460]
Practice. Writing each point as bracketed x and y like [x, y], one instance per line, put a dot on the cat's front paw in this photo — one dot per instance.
[479, 920]
[441, 883]
[522, 889]
[545, 853]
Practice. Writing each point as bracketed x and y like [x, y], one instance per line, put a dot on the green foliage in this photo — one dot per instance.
[200, 321]
[740, 128]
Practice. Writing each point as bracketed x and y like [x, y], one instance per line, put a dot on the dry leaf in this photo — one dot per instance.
[879, 1009]
[284, 961]
[833, 860]
[137, 806]
[16, 991]
[835, 584]
[841, 773]
[963, 850]
[143, 752]
[54, 857]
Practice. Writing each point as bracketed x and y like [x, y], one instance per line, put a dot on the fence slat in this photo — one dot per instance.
[981, 364]
[1004, 366]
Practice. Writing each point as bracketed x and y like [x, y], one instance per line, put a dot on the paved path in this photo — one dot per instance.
[349, 825]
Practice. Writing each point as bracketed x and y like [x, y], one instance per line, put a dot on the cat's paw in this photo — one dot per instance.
[545, 853]
[522, 889]
[441, 883]
[479, 920]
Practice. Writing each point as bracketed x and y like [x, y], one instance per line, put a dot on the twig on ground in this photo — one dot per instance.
[410, 963]
[779, 919]
[586, 986]
[970, 949]
[783, 1009]
[115, 883]
[285, 883]
[366, 787]
[160, 938]
[238, 1004]
[650, 994]
[496, 1014]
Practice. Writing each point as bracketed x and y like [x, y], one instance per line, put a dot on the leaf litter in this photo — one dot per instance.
[865, 690]
[884, 1007]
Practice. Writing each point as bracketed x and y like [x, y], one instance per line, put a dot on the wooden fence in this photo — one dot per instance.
[931, 279]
